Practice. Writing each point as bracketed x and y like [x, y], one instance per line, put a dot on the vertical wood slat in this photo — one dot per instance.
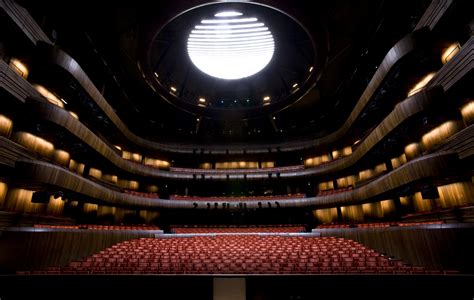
[428, 166]
[36, 250]
[448, 248]
[404, 110]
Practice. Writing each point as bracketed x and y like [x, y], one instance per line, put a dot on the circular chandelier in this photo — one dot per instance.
[230, 45]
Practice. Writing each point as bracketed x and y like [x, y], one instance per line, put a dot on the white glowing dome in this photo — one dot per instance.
[231, 46]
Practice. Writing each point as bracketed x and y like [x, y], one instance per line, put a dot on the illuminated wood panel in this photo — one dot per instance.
[404, 110]
[429, 166]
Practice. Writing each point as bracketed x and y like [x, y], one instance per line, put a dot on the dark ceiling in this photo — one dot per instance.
[108, 41]
[166, 64]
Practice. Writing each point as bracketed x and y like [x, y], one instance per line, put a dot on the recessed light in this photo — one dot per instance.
[156, 74]
[173, 89]
[74, 115]
[295, 85]
[228, 14]
[311, 69]
[202, 100]
[226, 21]
[450, 52]
[266, 98]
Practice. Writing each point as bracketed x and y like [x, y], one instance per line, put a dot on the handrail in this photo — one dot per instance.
[402, 112]
[429, 166]
[401, 49]
[24, 21]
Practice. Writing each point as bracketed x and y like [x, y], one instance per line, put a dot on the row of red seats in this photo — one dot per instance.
[56, 226]
[237, 226]
[336, 191]
[141, 194]
[335, 226]
[237, 254]
[250, 170]
[201, 269]
[240, 198]
[285, 229]
[382, 224]
[99, 227]
[421, 223]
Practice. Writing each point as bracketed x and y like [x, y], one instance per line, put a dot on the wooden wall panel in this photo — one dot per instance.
[402, 112]
[3, 193]
[448, 248]
[6, 125]
[420, 204]
[429, 166]
[55, 206]
[456, 194]
[388, 208]
[27, 250]
[352, 214]
[373, 210]
[326, 215]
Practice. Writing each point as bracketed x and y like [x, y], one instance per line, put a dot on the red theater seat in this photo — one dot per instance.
[238, 229]
[99, 227]
[238, 254]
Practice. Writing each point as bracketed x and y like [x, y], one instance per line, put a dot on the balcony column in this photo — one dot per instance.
[339, 214]
[398, 207]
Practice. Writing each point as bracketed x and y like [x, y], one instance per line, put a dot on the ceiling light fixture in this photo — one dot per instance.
[238, 26]
[230, 46]
[450, 52]
[228, 14]
[227, 21]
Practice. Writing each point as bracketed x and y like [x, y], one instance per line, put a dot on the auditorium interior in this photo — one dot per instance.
[237, 149]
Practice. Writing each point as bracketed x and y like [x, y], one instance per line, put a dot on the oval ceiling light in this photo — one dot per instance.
[230, 46]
